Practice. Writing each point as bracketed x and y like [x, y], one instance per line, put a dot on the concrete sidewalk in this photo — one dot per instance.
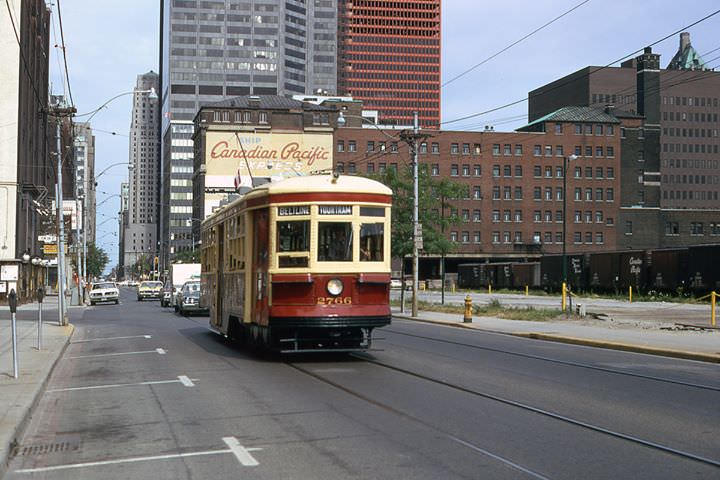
[643, 337]
[18, 397]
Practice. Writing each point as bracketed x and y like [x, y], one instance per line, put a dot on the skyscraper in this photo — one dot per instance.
[213, 50]
[389, 57]
[140, 234]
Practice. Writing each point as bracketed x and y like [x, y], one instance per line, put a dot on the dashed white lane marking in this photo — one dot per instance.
[240, 452]
[185, 380]
[110, 338]
[159, 351]
[146, 459]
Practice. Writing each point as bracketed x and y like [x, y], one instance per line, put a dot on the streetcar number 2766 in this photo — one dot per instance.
[334, 300]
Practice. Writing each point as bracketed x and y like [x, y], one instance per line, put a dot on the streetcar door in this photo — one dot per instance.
[260, 266]
[220, 276]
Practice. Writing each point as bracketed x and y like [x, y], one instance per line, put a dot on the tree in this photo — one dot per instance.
[97, 259]
[434, 209]
[187, 256]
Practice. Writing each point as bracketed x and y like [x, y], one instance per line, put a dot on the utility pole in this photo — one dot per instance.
[411, 140]
[58, 113]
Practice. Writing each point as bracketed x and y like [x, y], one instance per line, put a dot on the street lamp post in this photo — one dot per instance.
[564, 224]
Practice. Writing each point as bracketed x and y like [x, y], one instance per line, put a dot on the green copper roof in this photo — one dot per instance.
[686, 58]
[574, 114]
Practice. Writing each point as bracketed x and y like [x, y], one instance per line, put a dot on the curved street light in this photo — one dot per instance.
[108, 198]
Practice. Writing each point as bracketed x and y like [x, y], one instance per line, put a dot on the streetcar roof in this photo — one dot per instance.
[311, 183]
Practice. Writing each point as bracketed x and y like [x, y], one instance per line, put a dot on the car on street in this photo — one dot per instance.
[188, 301]
[104, 292]
[395, 283]
[149, 290]
[167, 294]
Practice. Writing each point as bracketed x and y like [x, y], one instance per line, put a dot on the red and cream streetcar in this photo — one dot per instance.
[300, 265]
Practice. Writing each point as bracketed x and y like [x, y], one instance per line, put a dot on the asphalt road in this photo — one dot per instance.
[144, 393]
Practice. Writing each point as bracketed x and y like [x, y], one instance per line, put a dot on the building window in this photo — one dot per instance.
[559, 150]
[518, 193]
[454, 170]
[696, 228]
[518, 149]
[598, 151]
[477, 170]
[495, 237]
[454, 148]
[599, 216]
[465, 237]
[496, 170]
[341, 146]
[577, 237]
[609, 195]
[588, 237]
[537, 150]
[537, 193]
[321, 118]
[423, 147]
[598, 129]
[558, 129]
[476, 237]
[628, 227]
[477, 215]
[477, 149]
[610, 151]
[578, 172]
[507, 149]
[496, 149]
[370, 146]
[393, 147]
[518, 170]
[715, 228]
[507, 216]
[435, 148]
[548, 193]
[506, 237]
[518, 216]
[496, 193]
[578, 129]
[672, 228]
[578, 216]
[352, 146]
[466, 170]
[548, 150]
[610, 130]
[435, 169]
[507, 170]
[370, 167]
[466, 149]
[466, 215]
[537, 171]
[610, 172]
[263, 117]
[453, 236]
[476, 193]
[588, 151]
[599, 238]
[495, 216]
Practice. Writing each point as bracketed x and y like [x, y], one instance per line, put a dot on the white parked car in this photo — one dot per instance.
[104, 292]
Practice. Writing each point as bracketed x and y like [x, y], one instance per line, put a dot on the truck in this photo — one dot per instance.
[178, 274]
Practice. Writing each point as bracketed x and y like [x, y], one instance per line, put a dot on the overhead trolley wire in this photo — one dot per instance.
[466, 117]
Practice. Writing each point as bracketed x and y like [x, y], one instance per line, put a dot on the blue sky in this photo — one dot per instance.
[110, 42]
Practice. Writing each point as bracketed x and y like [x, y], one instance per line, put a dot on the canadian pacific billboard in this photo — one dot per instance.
[243, 159]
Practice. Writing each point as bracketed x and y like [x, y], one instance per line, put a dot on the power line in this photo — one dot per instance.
[62, 40]
[22, 55]
[513, 44]
[590, 72]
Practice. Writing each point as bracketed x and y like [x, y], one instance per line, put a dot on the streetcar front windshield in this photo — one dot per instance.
[335, 241]
[293, 237]
[372, 239]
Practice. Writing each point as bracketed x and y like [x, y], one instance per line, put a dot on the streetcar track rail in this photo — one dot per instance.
[505, 401]
[561, 362]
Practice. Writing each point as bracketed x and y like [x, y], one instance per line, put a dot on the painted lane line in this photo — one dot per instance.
[240, 452]
[128, 460]
[157, 350]
[181, 379]
[111, 338]
[499, 458]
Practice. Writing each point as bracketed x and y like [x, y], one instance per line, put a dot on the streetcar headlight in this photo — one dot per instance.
[335, 286]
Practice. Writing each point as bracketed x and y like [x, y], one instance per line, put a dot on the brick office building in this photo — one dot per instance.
[671, 187]
[389, 58]
[514, 209]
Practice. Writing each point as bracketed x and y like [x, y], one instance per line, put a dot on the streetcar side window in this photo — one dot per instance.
[372, 241]
[335, 241]
[293, 237]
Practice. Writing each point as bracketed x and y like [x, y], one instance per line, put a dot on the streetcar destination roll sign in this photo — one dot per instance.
[294, 210]
[335, 209]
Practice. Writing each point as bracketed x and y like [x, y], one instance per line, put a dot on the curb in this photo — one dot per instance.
[626, 347]
[6, 450]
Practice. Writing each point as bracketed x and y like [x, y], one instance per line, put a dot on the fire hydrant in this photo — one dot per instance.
[468, 310]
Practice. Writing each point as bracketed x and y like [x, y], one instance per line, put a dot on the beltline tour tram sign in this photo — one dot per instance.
[235, 160]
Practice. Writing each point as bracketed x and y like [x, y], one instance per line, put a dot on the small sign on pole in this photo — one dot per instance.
[12, 301]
